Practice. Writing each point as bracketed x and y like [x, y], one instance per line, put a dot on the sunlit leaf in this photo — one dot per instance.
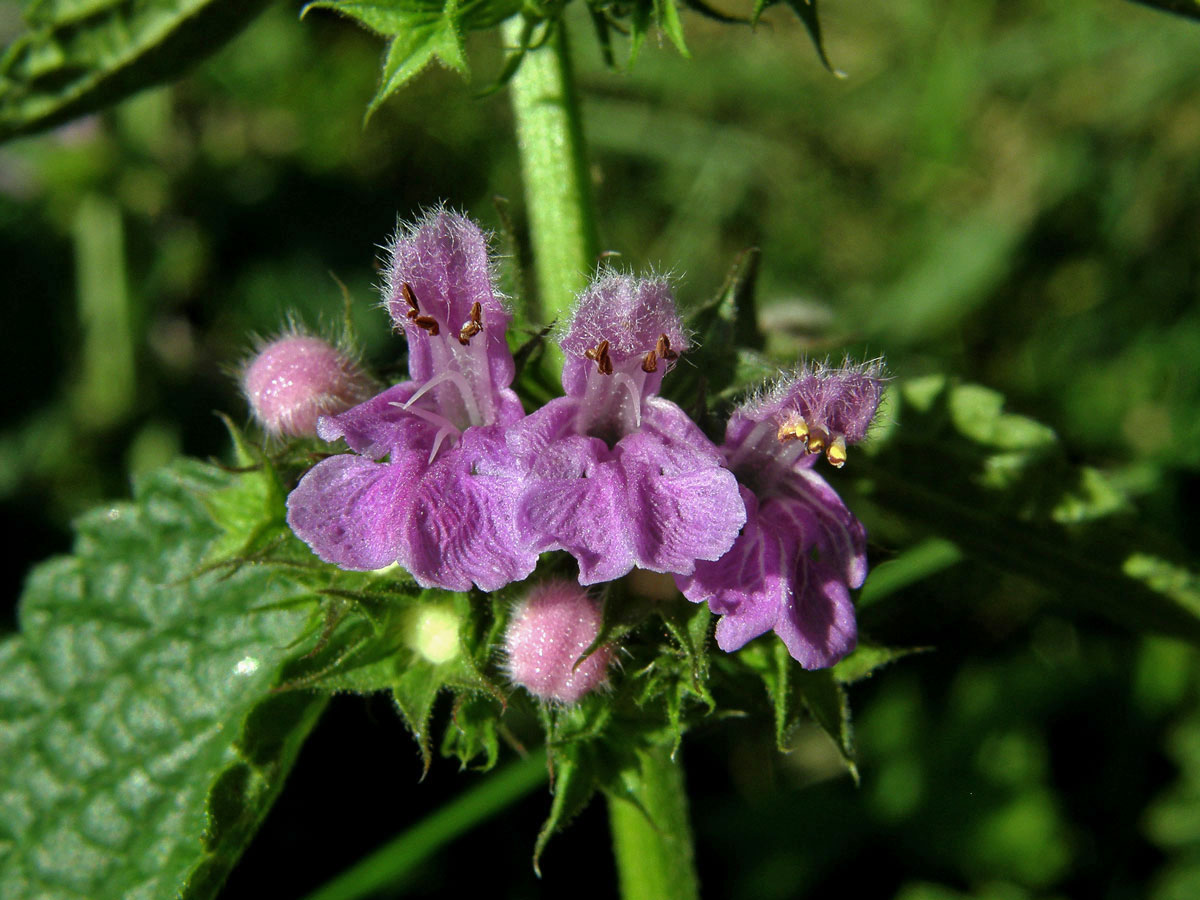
[1000, 488]
[142, 741]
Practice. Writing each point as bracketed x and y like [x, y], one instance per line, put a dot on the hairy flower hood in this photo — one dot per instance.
[618, 476]
[802, 551]
[416, 489]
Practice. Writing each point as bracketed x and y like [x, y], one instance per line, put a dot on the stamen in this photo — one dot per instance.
[429, 323]
[443, 424]
[790, 431]
[663, 348]
[650, 362]
[836, 454]
[442, 434]
[818, 439]
[599, 354]
[635, 395]
[472, 326]
[411, 299]
[464, 388]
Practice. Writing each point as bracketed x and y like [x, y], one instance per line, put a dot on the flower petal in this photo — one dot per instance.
[352, 511]
[817, 625]
[463, 528]
[680, 505]
[768, 580]
[659, 499]
[380, 425]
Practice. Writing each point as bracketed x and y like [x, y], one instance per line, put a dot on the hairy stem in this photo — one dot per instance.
[652, 839]
[555, 171]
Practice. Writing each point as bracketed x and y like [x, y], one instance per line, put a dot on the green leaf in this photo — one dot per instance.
[1000, 488]
[825, 700]
[142, 741]
[419, 32]
[867, 659]
[723, 328]
[666, 14]
[793, 691]
[77, 56]
[574, 782]
[806, 10]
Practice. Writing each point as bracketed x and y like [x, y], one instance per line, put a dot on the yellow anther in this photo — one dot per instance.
[791, 431]
[816, 442]
[836, 454]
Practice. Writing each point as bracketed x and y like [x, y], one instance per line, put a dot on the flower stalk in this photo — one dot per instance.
[652, 839]
[554, 169]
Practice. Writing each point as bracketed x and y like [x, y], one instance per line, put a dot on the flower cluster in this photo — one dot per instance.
[452, 480]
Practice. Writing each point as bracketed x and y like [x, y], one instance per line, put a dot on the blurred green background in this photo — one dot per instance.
[1007, 192]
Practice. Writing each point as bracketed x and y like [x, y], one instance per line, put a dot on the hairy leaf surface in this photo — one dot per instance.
[141, 740]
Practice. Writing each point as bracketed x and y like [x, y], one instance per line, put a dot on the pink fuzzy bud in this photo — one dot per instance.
[294, 380]
[547, 634]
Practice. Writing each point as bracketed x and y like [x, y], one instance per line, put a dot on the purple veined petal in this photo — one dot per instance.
[747, 585]
[575, 502]
[352, 511]
[675, 428]
[573, 493]
[659, 499]
[463, 525]
[817, 625]
[681, 506]
[839, 536]
[768, 581]
[440, 290]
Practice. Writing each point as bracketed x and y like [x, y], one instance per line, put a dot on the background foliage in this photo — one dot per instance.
[1003, 192]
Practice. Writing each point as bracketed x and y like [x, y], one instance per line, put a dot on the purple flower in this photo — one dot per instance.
[617, 476]
[427, 483]
[802, 551]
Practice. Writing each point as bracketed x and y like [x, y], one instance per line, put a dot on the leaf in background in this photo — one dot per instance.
[1000, 487]
[142, 743]
[419, 32]
[722, 329]
[78, 56]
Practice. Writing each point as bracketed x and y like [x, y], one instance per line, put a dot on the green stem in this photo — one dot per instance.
[652, 839]
[555, 170]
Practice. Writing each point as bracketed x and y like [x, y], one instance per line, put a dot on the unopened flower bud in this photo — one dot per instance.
[547, 634]
[294, 380]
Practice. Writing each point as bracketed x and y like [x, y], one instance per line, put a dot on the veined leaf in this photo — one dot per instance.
[78, 56]
[141, 740]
